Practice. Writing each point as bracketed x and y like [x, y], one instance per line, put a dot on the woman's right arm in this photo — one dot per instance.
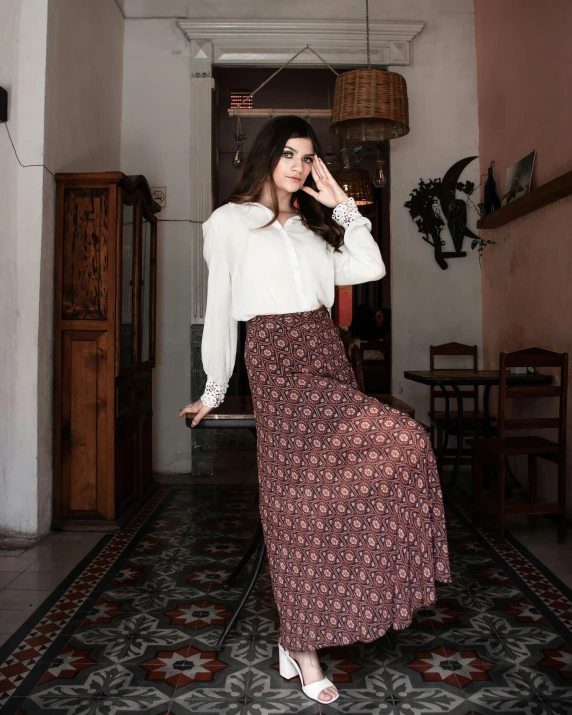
[218, 347]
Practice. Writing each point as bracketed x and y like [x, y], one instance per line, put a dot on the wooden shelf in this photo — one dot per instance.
[537, 198]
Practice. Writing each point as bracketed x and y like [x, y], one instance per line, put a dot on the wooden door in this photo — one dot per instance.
[85, 453]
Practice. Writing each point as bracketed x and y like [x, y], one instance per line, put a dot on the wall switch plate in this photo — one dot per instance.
[3, 105]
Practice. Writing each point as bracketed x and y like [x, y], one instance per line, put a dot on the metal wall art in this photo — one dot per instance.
[434, 203]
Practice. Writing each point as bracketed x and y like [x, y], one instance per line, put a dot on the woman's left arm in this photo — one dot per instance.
[359, 258]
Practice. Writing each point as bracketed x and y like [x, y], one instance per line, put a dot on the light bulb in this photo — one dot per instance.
[238, 159]
[379, 180]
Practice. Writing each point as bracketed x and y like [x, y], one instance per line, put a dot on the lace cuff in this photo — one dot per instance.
[213, 394]
[346, 212]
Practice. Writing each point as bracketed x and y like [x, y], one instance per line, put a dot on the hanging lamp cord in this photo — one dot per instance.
[367, 31]
[260, 86]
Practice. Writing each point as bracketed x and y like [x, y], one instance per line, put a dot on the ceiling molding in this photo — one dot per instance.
[241, 42]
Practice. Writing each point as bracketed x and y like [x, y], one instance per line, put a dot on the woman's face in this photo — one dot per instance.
[294, 165]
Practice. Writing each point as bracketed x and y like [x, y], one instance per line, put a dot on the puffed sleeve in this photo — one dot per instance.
[360, 259]
[218, 346]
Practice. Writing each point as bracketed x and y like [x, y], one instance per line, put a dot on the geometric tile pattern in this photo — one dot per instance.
[133, 630]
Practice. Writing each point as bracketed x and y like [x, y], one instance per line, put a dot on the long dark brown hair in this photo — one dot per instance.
[259, 165]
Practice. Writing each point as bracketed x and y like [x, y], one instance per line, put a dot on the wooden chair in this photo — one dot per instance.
[357, 365]
[492, 452]
[473, 419]
[387, 399]
[377, 371]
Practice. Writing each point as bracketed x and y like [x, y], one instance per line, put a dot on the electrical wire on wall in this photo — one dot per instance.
[25, 166]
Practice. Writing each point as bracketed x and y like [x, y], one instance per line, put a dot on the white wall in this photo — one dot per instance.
[83, 85]
[155, 142]
[60, 61]
[429, 305]
[23, 26]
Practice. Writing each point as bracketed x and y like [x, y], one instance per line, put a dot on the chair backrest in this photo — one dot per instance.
[536, 358]
[357, 365]
[460, 350]
[381, 345]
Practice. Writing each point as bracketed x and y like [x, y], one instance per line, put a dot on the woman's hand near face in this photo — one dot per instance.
[329, 192]
[198, 409]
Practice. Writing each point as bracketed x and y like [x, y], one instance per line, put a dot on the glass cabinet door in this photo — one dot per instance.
[126, 350]
[146, 255]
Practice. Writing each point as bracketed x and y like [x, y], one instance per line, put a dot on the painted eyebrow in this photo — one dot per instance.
[295, 152]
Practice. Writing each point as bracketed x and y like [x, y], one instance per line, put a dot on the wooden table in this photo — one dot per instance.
[238, 412]
[454, 379]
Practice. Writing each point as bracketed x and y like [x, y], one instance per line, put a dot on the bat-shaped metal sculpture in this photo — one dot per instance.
[454, 209]
[423, 203]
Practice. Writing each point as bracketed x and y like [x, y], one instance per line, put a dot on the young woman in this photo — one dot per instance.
[350, 500]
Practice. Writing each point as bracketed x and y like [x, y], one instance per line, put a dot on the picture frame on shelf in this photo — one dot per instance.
[518, 179]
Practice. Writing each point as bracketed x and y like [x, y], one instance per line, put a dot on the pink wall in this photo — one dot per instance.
[524, 71]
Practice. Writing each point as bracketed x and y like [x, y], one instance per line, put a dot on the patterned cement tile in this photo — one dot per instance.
[135, 628]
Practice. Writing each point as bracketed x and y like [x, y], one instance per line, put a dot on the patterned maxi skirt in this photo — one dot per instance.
[350, 500]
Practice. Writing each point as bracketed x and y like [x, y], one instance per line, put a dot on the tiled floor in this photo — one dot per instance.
[29, 576]
[133, 630]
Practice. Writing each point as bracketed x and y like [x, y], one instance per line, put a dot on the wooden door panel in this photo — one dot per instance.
[85, 254]
[85, 469]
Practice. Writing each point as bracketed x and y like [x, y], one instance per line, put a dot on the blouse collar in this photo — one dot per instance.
[257, 203]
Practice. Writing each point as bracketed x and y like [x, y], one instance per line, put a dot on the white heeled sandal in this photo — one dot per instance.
[289, 668]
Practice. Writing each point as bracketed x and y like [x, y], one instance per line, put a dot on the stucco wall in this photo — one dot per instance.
[23, 26]
[84, 82]
[155, 142]
[525, 104]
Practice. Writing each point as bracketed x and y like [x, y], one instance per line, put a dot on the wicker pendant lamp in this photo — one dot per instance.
[370, 104]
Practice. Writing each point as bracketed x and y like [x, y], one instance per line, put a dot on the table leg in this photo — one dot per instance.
[441, 454]
[487, 411]
[256, 566]
[245, 559]
[487, 433]
[459, 454]
[256, 543]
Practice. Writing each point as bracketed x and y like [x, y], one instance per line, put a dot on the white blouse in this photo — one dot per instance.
[273, 271]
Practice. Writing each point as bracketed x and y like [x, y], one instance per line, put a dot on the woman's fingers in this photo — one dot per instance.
[317, 168]
[316, 176]
[191, 409]
[324, 169]
[200, 414]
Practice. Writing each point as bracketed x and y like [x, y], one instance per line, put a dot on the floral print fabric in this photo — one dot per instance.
[350, 499]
